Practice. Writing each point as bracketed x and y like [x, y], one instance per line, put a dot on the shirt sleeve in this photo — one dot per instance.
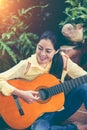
[74, 70]
[5, 88]
[15, 72]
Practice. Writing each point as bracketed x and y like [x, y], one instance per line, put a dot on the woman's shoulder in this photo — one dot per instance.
[64, 55]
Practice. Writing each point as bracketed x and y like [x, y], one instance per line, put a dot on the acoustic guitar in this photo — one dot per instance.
[18, 114]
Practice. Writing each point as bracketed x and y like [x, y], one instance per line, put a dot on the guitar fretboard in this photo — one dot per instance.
[67, 86]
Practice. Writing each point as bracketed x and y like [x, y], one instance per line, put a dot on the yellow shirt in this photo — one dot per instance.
[29, 69]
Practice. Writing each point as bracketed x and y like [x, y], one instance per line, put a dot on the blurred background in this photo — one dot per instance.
[22, 22]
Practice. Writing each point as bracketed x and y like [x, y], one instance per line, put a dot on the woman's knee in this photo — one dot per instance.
[41, 125]
[82, 88]
[81, 92]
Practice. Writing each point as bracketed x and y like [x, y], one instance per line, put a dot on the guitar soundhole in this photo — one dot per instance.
[44, 95]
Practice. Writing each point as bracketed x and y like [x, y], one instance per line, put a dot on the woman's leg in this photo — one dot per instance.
[50, 121]
[44, 124]
[73, 102]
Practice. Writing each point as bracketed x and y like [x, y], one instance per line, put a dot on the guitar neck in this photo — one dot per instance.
[67, 86]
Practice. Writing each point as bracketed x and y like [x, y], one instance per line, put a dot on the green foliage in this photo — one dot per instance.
[4, 47]
[24, 11]
[15, 40]
[21, 48]
[26, 45]
[76, 12]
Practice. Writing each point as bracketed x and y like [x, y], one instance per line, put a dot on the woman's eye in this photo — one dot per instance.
[48, 51]
[40, 48]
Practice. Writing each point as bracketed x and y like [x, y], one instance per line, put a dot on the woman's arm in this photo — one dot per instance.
[74, 70]
[71, 69]
[15, 72]
[7, 90]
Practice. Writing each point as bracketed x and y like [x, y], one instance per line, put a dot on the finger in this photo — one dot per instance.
[35, 95]
[31, 101]
[35, 98]
[35, 92]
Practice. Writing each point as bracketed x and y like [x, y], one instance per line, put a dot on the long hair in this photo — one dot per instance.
[57, 61]
[57, 65]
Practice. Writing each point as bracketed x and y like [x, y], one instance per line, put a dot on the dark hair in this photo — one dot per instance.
[57, 61]
[51, 36]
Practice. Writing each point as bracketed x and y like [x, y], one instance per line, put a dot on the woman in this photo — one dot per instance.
[48, 60]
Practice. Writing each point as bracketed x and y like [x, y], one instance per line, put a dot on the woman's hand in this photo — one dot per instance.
[29, 96]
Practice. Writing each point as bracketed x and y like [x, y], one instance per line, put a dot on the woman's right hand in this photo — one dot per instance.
[29, 96]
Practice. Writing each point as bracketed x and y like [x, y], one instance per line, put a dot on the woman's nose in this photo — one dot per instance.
[43, 53]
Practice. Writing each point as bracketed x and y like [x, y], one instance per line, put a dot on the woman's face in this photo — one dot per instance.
[45, 51]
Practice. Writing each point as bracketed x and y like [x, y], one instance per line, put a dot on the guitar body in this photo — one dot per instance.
[9, 110]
